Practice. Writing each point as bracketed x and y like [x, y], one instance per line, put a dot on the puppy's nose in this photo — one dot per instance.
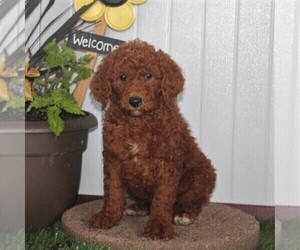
[135, 101]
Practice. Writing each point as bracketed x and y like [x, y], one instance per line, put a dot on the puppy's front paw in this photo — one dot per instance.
[101, 220]
[156, 230]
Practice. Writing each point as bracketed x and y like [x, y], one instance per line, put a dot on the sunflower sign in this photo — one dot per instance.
[86, 41]
[118, 15]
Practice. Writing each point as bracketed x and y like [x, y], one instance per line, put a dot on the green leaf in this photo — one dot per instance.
[68, 53]
[83, 73]
[63, 69]
[51, 47]
[69, 105]
[66, 73]
[72, 108]
[54, 55]
[39, 102]
[53, 60]
[85, 59]
[66, 77]
[66, 83]
[56, 124]
[57, 95]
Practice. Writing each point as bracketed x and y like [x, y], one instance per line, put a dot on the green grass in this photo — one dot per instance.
[54, 238]
[267, 234]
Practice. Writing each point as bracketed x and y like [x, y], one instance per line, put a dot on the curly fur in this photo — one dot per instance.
[148, 150]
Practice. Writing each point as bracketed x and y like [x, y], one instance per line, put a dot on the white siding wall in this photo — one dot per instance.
[12, 23]
[287, 103]
[225, 49]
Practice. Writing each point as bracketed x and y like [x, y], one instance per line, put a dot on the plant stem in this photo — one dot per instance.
[46, 81]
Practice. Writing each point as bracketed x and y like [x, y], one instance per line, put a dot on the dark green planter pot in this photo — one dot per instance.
[53, 168]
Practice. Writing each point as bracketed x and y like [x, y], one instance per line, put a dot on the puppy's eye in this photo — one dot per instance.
[148, 76]
[123, 78]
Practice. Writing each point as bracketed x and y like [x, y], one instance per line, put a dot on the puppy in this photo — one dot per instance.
[148, 149]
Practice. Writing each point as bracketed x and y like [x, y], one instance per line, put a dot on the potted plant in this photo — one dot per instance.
[56, 134]
[52, 170]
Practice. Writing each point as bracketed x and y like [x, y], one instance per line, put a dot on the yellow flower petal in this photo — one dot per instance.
[137, 1]
[27, 91]
[3, 91]
[94, 13]
[120, 18]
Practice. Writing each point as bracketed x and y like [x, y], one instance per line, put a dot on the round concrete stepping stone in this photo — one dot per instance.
[217, 227]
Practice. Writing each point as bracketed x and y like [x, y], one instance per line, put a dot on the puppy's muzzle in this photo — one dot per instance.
[135, 101]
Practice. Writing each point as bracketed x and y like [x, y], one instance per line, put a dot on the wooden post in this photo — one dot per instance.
[82, 86]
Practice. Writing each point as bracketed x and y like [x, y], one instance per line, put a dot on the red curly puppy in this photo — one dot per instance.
[148, 149]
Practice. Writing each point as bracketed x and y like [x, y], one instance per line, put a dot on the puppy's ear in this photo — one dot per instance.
[172, 78]
[100, 84]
